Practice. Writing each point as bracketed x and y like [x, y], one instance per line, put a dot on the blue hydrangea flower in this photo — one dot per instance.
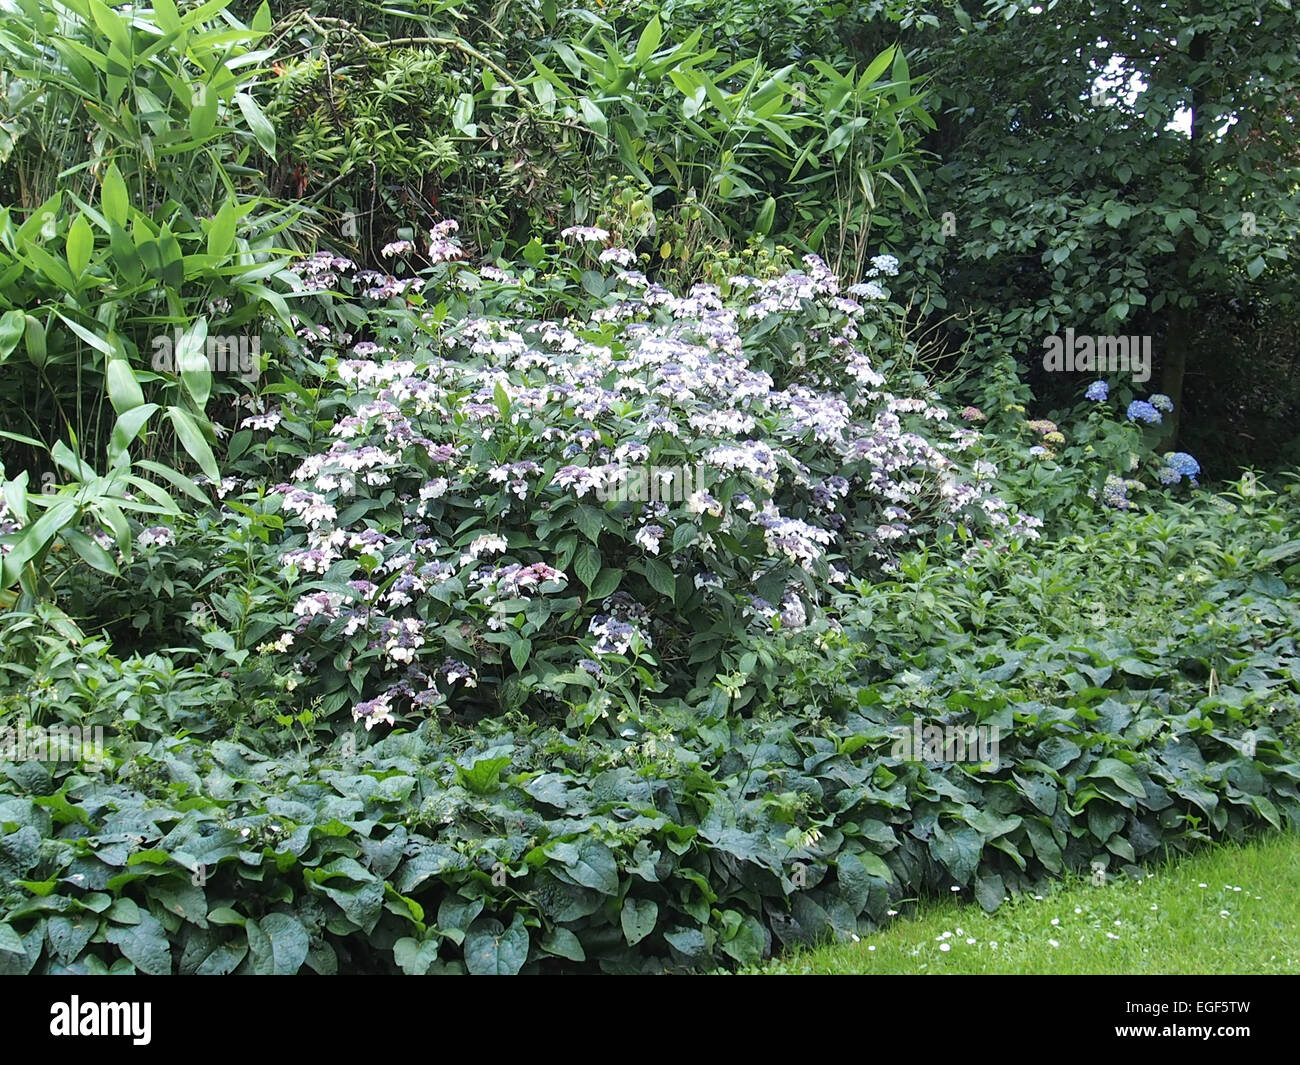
[1162, 402]
[1115, 493]
[1141, 410]
[1169, 476]
[1037, 450]
[1183, 463]
[1097, 392]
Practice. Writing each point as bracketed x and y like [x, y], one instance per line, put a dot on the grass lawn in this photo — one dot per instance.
[1229, 909]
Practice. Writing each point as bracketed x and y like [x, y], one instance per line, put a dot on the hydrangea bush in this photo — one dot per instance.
[581, 511]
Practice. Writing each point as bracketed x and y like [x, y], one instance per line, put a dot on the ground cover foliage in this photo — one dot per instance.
[507, 759]
[576, 584]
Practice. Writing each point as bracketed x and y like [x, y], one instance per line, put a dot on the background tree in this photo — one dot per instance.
[1119, 169]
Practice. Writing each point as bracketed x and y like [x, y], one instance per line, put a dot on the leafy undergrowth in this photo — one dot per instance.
[430, 687]
[1227, 910]
[693, 836]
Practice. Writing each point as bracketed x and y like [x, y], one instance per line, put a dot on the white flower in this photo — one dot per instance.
[621, 256]
[945, 947]
[1053, 942]
[585, 233]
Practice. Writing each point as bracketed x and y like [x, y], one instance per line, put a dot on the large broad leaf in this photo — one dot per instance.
[661, 577]
[589, 862]
[68, 935]
[1121, 773]
[564, 944]
[638, 918]
[279, 944]
[989, 892]
[958, 851]
[414, 957]
[144, 944]
[491, 949]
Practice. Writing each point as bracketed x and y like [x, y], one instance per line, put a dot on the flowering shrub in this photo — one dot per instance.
[579, 513]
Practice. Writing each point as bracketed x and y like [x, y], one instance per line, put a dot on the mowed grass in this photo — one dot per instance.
[1228, 909]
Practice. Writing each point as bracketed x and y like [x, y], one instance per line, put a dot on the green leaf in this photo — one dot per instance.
[187, 432]
[125, 430]
[606, 582]
[491, 949]
[989, 892]
[257, 122]
[144, 944]
[1121, 773]
[279, 944]
[650, 38]
[564, 944]
[519, 652]
[484, 776]
[35, 341]
[79, 245]
[661, 577]
[587, 564]
[90, 552]
[113, 200]
[13, 324]
[221, 234]
[124, 390]
[589, 863]
[638, 918]
[192, 363]
[414, 957]
[10, 941]
[958, 851]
